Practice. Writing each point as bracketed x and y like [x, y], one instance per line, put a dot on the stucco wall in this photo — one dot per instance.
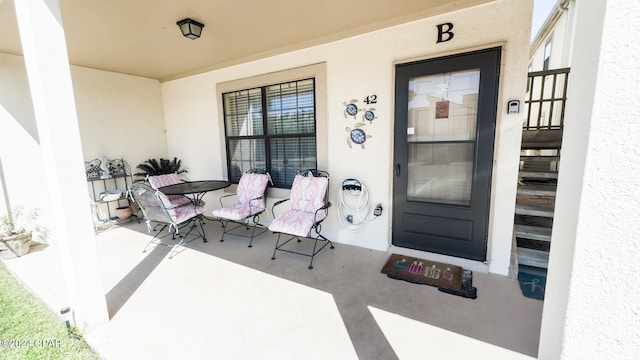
[18, 135]
[591, 308]
[119, 116]
[362, 66]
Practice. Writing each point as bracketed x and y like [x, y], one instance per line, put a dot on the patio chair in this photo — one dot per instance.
[179, 221]
[250, 203]
[309, 207]
[158, 181]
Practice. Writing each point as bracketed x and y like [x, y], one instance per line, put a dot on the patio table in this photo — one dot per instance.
[194, 190]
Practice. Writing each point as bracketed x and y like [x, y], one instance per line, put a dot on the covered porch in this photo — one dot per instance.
[219, 300]
[227, 301]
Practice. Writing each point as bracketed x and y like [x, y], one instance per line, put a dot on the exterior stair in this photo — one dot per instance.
[539, 160]
[535, 199]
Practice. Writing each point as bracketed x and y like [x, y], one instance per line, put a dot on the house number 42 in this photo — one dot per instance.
[371, 99]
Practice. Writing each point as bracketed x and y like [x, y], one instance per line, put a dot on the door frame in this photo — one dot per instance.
[493, 109]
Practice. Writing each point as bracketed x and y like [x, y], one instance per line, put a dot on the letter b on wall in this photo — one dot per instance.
[444, 32]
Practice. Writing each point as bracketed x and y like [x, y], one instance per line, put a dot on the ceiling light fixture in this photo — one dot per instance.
[190, 28]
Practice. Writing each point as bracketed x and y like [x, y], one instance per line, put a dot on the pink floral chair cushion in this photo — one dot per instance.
[308, 193]
[158, 211]
[173, 201]
[158, 181]
[185, 212]
[307, 196]
[250, 187]
[294, 222]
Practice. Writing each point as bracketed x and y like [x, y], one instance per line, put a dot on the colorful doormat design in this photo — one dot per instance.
[448, 278]
[532, 285]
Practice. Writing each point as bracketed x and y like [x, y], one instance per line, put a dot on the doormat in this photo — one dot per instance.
[446, 277]
[532, 285]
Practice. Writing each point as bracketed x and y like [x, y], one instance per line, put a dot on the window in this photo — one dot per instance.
[547, 55]
[271, 127]
[530, 69]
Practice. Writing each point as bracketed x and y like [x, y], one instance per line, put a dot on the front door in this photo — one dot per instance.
[445, 116]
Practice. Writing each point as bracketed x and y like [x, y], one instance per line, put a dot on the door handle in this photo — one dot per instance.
[397, 169]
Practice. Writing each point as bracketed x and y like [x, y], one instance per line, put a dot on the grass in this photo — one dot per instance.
[29, 330]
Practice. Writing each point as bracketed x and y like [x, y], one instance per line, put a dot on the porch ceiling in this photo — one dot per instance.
[141, 37]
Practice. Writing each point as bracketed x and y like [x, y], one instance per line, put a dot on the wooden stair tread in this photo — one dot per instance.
[532, 257]
[542, 158]
[533, 232]
[541, 139]
[541, 145]
[535, 167]
[539, 160]
[537, 189]
[534, 210]
[539, 174]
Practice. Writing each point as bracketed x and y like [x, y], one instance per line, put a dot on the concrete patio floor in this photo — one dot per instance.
[223, 300]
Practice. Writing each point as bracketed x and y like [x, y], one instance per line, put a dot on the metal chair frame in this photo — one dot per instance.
[162, 217]
[315, 228]
[253, 220]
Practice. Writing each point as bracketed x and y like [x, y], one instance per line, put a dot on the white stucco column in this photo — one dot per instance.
[592, 307]
[47, 63]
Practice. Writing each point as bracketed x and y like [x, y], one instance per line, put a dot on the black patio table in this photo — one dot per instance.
[195, 189]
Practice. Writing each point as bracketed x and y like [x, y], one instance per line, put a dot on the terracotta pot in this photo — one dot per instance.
[123, 212]
[15, 245]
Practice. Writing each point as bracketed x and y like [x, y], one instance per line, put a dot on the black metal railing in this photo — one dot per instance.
[546, 98]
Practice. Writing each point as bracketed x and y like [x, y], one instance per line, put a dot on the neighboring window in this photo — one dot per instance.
[271, 128]
[547, 55]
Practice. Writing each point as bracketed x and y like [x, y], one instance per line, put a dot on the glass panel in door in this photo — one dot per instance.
[441, 136]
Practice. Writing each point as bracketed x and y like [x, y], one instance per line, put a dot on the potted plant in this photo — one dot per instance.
[16, 229]
[154, 167]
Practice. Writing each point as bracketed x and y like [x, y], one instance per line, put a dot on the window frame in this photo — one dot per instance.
[315, 71]
[546, 54]
[265, 135]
